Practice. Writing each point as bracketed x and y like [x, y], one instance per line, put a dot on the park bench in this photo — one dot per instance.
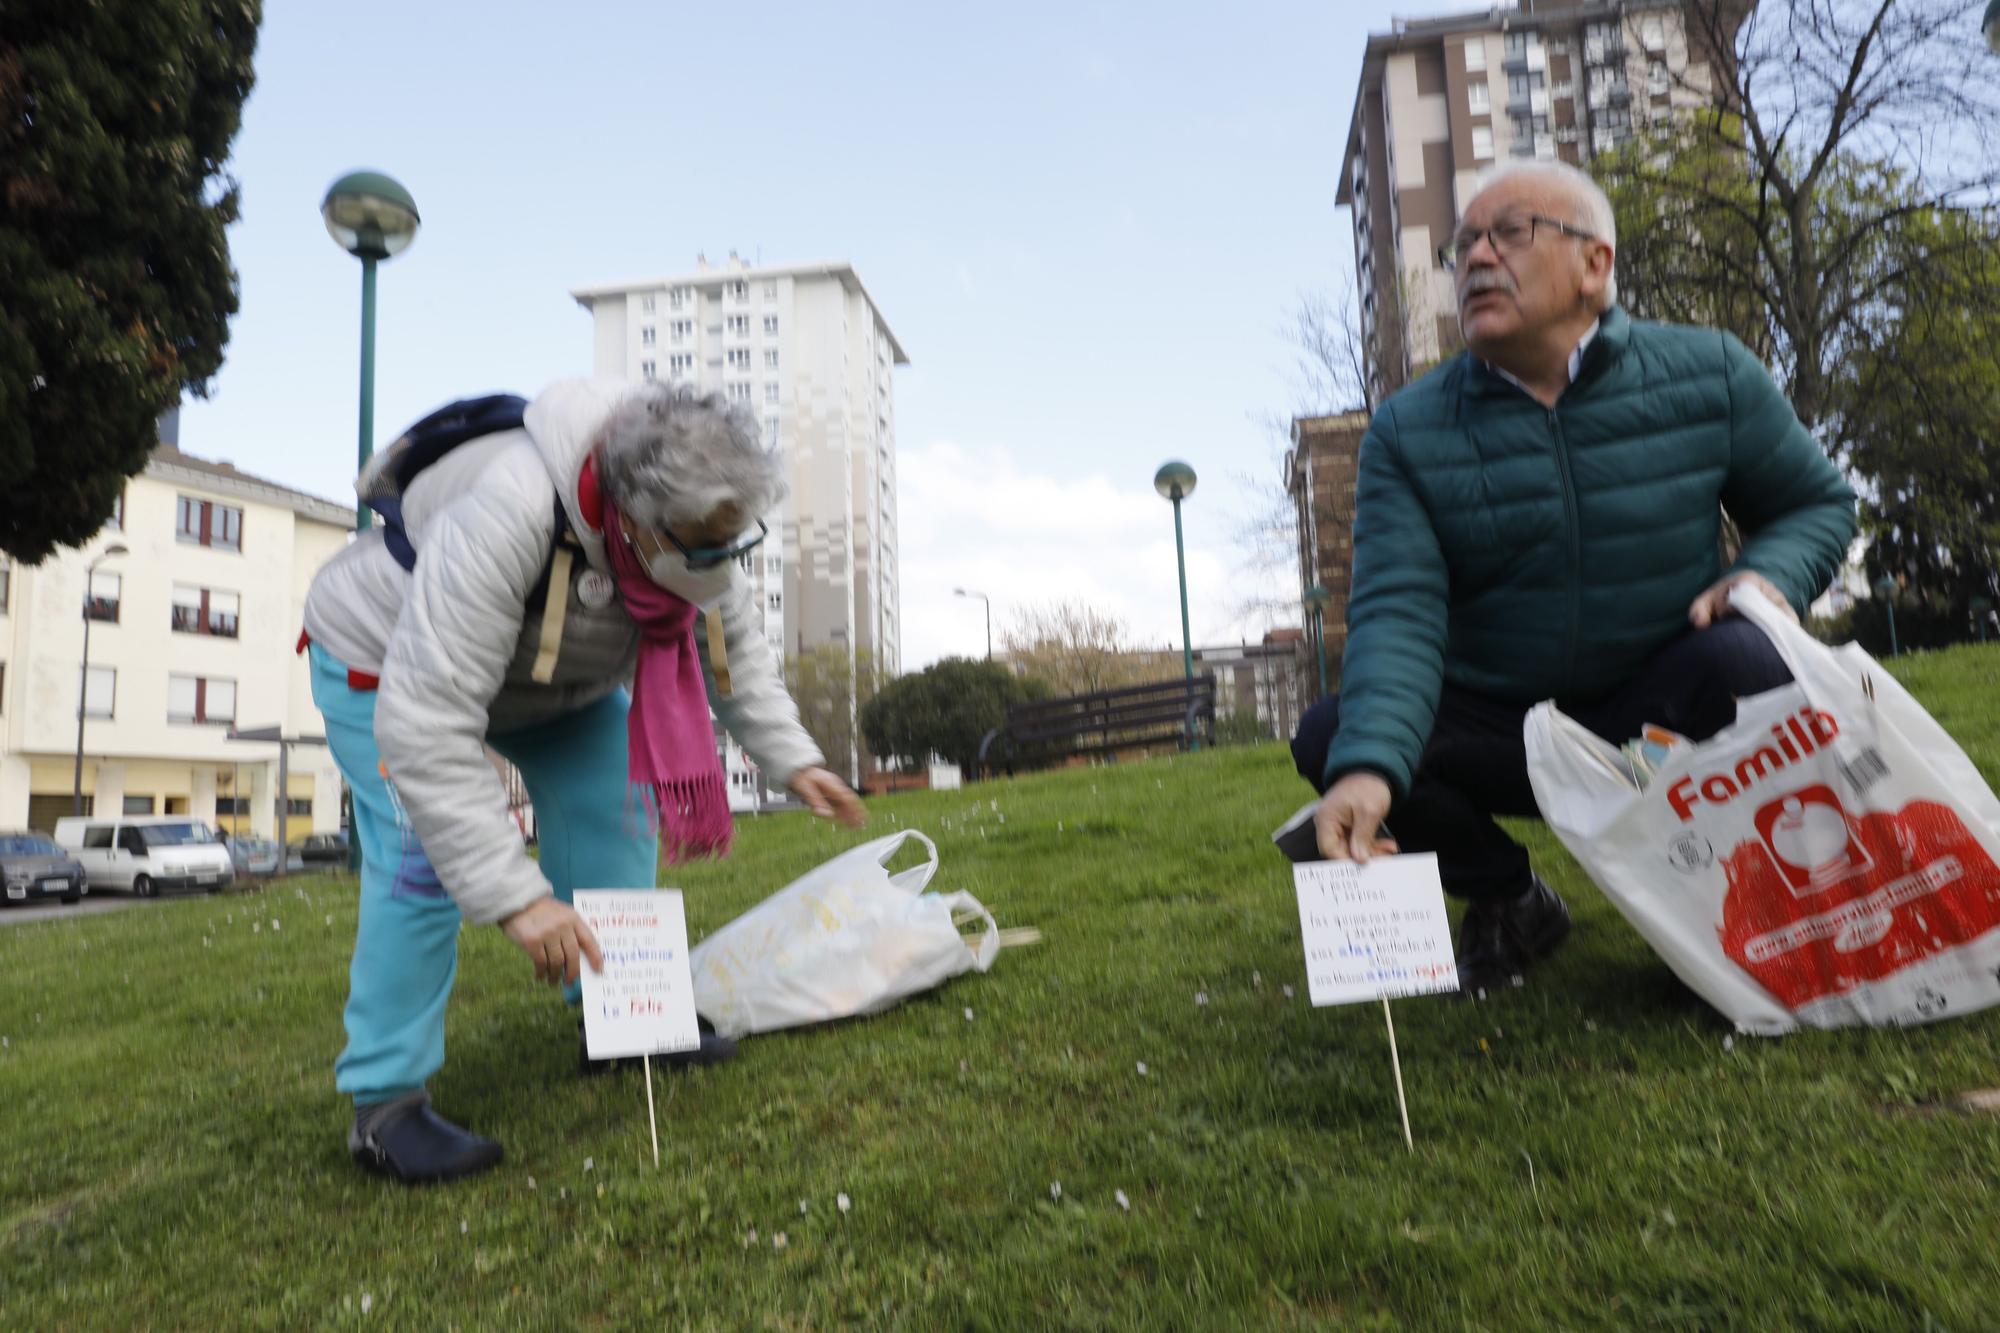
[1107, 724]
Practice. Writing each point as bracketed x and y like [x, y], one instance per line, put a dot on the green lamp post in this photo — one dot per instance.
[1886, 586]
[1175, 481]
[373, 218]
[1317, 598]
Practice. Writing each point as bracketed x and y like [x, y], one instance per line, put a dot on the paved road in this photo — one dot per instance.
[54, 909]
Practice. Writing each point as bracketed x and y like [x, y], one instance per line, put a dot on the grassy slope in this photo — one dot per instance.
[1590, 1150]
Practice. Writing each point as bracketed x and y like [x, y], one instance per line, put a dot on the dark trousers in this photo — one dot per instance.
[1475, 765]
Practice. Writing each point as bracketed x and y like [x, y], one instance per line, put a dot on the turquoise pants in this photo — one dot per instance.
[406, 949]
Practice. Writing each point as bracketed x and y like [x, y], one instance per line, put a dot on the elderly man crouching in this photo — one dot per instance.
[1538, 518]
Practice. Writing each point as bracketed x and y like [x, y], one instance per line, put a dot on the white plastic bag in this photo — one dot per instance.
[1831, 859]
[848, 938]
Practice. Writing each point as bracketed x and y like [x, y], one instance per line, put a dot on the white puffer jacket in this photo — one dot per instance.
[455, 646]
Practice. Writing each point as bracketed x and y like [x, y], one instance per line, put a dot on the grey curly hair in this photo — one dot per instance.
[672, 455]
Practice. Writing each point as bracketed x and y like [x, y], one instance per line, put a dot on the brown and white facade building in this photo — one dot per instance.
[1441, 101]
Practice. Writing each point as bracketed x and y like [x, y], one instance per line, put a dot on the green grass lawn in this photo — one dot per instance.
[1592, 1150]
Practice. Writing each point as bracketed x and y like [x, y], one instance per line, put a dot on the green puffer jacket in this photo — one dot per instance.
[1527, 553]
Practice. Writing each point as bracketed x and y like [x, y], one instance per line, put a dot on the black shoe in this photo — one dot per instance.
[416, 1145]
[1497, 940]
[715, 1049]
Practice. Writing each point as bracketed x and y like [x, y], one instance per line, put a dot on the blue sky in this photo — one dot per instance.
[1084, 224]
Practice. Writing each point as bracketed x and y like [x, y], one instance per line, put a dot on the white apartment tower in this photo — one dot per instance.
[805, 348]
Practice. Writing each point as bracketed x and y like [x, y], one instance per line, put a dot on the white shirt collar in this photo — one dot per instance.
[1575, 359]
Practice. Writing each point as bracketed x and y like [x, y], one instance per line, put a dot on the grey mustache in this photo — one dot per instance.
[1485, 280]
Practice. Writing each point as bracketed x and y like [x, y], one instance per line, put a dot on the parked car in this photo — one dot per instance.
[252, 855]
[146, 854]
[321, 849]
[33, 866]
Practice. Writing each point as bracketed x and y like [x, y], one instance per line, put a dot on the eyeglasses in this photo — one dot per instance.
[1510, 236]
[699, 557]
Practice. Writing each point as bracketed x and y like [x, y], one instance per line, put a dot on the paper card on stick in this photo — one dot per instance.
[1377, 931]
[642, 1003]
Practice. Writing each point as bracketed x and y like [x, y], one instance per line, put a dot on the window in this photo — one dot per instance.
[1517, 43]
[645, 308]
[739, 358]
[1657, 78]
[739, 325]
[117, 520]
[770, 324]
[201, 699]
[771, 392]
[774, 565]
[206, 523]
[771, 430]
[131, 839]
[739, 391]
[1475, 55]
[101, 603]
[647, 336]
[298, 805]
[204, 611]
[1482, 143]
[675, 299]
[739, 291]
[1653, 32]
[680, 363]
[770, 292]
[6, 585]
[3, 687]
[1477, 96]
[776, 601]
[770, 358]
[100, 691]
[680, 328]
[647, 369]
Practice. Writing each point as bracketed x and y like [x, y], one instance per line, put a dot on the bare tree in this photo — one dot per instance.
[1329, 375]
[1829, 127]
[1077, 649]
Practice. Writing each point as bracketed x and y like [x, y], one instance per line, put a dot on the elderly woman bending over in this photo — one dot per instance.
[532, 560]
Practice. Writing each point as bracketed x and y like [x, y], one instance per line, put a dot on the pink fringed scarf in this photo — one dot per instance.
[675, 771]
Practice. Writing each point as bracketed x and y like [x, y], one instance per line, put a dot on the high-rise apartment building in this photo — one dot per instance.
[1443, 100]
[805, 348]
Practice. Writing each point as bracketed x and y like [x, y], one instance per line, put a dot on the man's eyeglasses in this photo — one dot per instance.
[699, 557]
[1510, 236]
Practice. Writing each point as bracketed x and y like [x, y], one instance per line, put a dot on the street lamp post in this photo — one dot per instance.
[1317, 597]
[1886, 586]
[1175, 481]
[83, 679]
[373, 218]
[967, 592]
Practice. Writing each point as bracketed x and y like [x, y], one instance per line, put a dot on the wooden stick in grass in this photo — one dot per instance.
[1396, 1063]
[652, 1120]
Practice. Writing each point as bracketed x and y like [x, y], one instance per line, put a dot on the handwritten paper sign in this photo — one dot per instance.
[1377, 931]
[642, 1003]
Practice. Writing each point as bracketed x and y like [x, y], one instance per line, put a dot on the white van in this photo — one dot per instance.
[146, 854]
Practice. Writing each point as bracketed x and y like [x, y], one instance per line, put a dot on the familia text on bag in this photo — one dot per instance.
[1829, 859]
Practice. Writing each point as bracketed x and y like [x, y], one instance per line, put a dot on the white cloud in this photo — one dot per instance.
[971, 518]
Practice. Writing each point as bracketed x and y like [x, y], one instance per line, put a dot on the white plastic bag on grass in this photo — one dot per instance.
[848, 938]
[1831, 859]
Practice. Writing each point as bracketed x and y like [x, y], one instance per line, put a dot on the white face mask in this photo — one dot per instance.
[703, 587]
